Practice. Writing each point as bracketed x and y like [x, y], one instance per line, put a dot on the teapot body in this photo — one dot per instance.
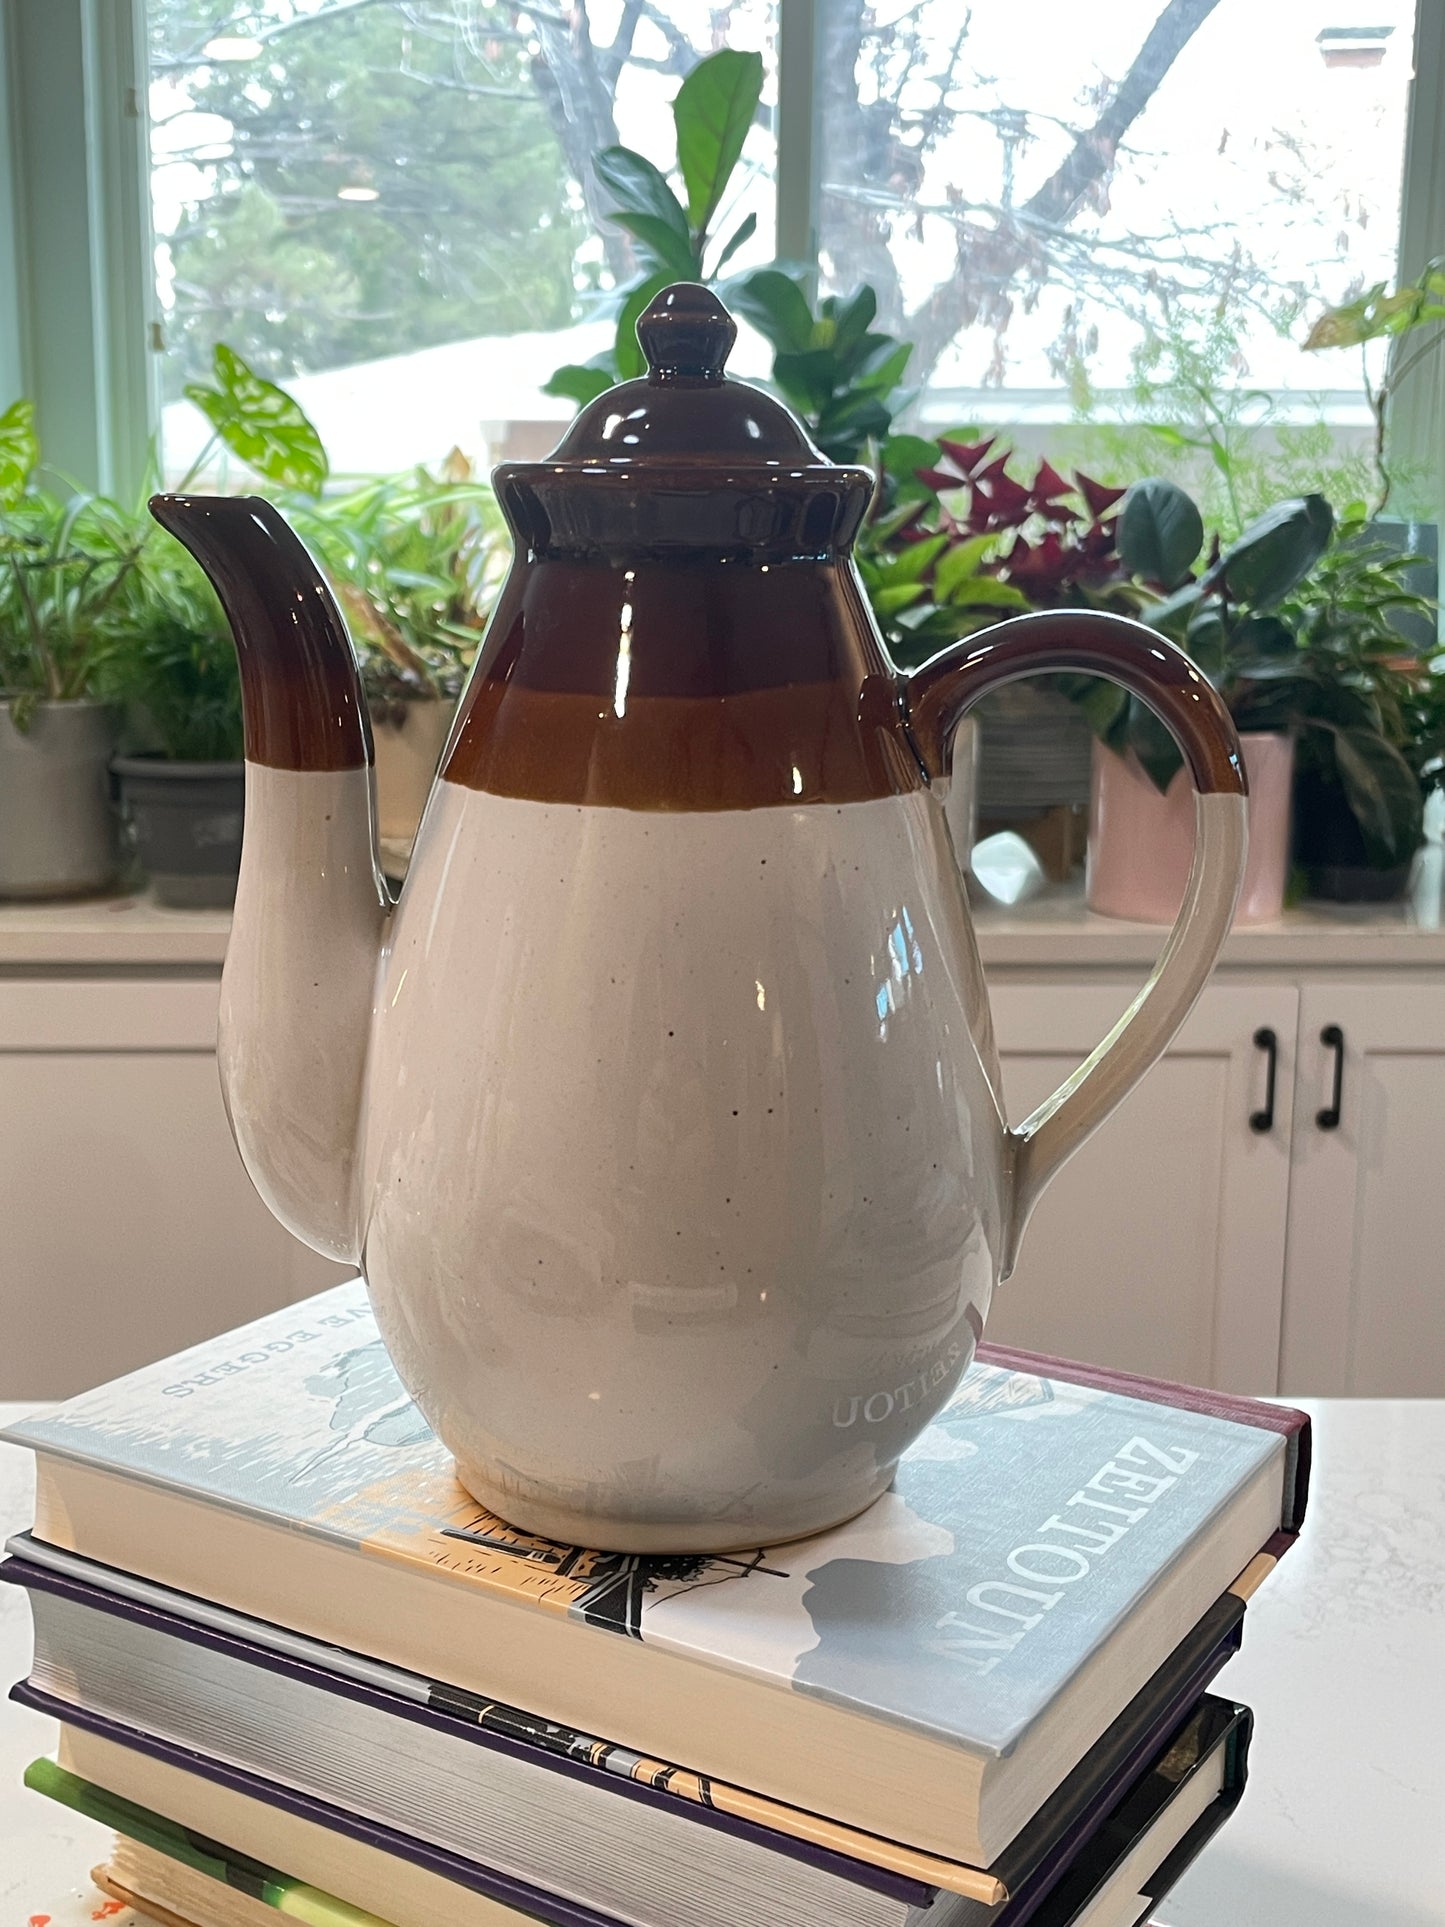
[684, 1161]
[683, 1165]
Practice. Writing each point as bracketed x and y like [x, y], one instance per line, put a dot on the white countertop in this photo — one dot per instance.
[1053, 932]
[1343, 1663]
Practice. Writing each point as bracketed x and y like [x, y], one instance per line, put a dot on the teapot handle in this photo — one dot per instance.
[937, 696]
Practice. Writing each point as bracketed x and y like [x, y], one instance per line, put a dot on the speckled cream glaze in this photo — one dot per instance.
[683, 1170]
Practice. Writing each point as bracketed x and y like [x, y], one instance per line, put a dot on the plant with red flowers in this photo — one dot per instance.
[966, 541]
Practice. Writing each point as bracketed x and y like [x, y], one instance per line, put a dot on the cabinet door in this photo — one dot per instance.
[1160, 1247]
[1365, 1275]
[130, 1226]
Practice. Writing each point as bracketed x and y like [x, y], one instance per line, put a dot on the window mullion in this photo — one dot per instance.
[799, 126]
[1416, 421]
[81, 215]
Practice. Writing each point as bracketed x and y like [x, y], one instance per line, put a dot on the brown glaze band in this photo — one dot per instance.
[938, 695]
[748, 515]
[705, 686]
[769, 748]
[300, 690]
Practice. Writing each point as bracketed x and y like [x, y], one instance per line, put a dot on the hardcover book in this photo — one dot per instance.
[951, 1654]
[1150, 1835]
[537, 1801]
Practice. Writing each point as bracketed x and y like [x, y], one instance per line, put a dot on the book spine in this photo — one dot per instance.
[1236, 1771]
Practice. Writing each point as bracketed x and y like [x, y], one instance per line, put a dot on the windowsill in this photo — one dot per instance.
[1053, 932]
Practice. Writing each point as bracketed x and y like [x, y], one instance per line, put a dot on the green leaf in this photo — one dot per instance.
[657, 247]
[1275, 553]
[987, 592]
[1379, 312]
[578, 383]
[1266, 637]
[19, 451]
[712, 111]
[627, 349]
[1104, 704]
[806, 378]
[961, 564]
[886, 369]
[1171, 616]
[888, 600]
[852, 319]
[1160, 532]
[777, 308]
[1158, 753]
[644, 204]
[1382, 792]
[903, 455]
[744, 231]
[261, 424]
[912, 562]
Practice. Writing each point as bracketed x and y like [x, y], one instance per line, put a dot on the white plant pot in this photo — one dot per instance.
[407, 752]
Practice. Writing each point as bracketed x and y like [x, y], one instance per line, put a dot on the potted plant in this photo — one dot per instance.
[172, 666]
[970, 543]
[1293, 624]
[170, 662]
[415, 561]
[1368, 710]
[64, 564]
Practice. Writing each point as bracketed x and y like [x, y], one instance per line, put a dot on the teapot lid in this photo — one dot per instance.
[685, 459]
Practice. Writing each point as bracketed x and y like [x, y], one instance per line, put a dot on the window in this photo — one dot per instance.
[384, 206]
[1041, 194]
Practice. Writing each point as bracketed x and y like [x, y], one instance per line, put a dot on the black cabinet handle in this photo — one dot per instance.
[1333, 1038]
[1265, 1040]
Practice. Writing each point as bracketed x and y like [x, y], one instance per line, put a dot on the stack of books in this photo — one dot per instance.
[297, 1668]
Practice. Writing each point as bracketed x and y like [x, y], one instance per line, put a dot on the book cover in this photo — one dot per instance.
[1025, 1524]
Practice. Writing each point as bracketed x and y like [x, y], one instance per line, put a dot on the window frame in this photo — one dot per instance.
[80, 326]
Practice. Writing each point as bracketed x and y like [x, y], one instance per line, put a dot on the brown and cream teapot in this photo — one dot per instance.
[662, 1111]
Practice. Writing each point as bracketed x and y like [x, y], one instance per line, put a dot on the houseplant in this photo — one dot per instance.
[64, 565]
[1293, 623]
[170, 663]
[1227, 616]
[415, 561]
[171, 667]
[969, 543]
[1368, 709]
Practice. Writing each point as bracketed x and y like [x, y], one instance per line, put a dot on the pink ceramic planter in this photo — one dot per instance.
[1141, 843]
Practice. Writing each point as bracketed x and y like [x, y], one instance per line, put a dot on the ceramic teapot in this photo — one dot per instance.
[662, 1110]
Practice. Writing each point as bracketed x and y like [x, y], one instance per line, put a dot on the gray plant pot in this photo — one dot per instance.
[57, 825]
[184, 820]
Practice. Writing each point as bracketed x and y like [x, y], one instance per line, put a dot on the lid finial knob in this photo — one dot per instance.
[686, 333]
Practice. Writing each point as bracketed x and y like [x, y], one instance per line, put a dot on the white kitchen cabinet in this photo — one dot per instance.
[1364, 1311]
[130, 1227]
[1178, 1242]
[1160, 1247]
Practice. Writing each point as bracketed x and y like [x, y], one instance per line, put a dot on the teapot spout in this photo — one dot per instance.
[311, 905]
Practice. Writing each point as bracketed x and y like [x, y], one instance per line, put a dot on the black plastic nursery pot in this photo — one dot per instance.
[1330, 850]
[185, 820]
